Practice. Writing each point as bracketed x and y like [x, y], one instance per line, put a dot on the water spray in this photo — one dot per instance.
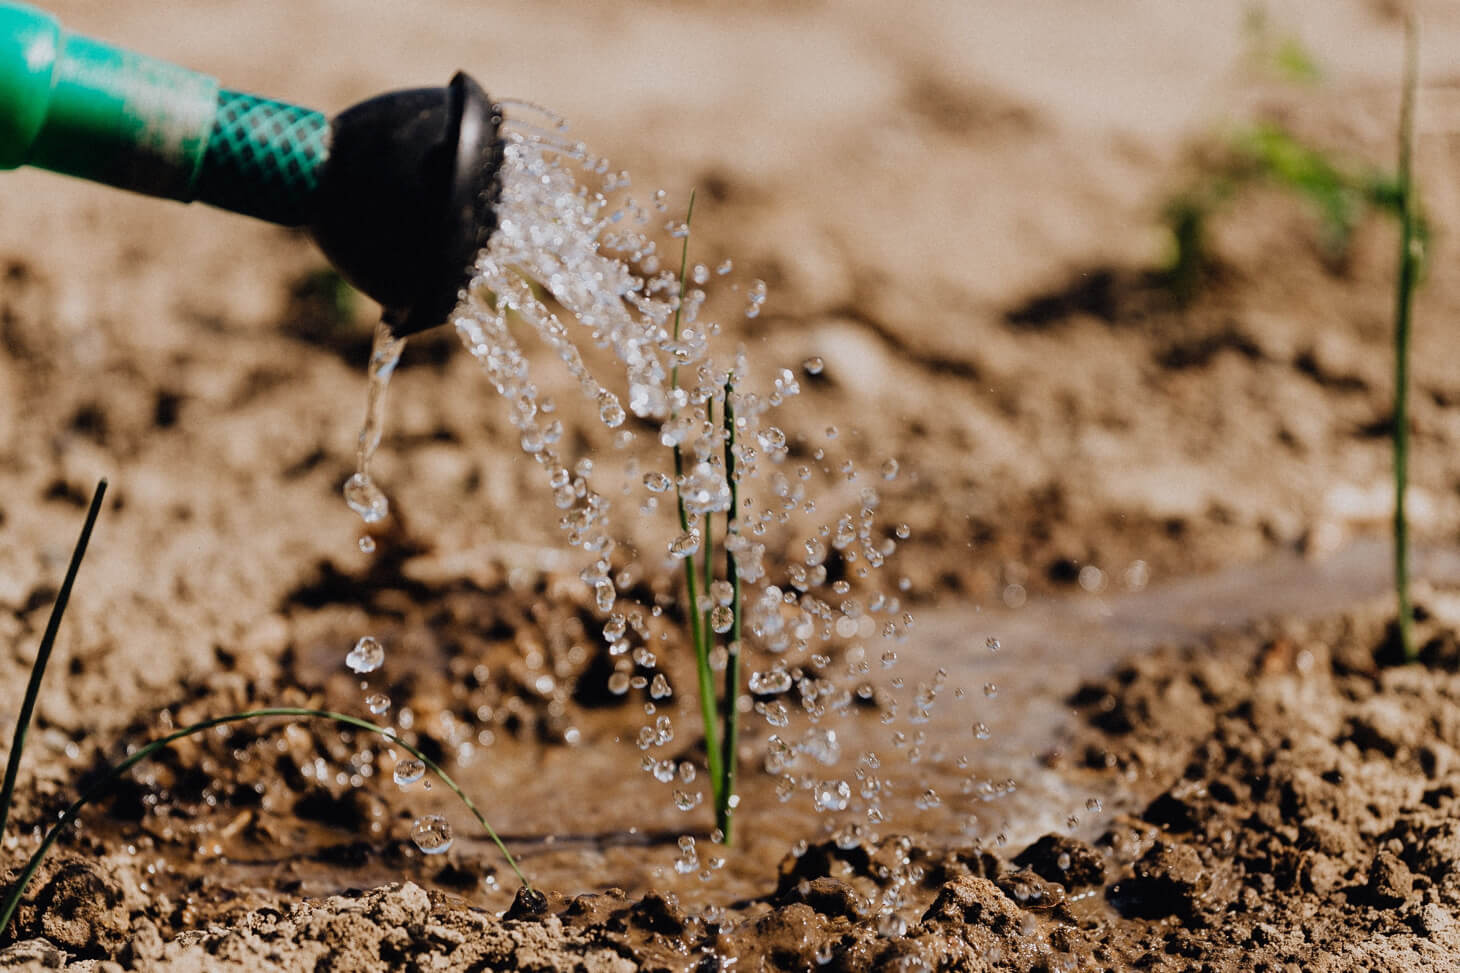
[398, 191]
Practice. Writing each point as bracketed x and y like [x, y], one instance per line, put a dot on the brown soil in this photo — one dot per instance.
[958, 210]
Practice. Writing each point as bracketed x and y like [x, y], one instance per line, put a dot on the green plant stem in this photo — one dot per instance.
[13, 901]
[699, 628]
[730, 739]
[43, 656]
[1404, 296]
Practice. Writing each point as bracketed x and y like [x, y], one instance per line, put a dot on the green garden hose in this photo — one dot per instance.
[399, 191]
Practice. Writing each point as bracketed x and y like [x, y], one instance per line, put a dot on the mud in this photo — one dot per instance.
[958, 208]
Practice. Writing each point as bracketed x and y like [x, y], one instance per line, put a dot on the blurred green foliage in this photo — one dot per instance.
[1342, 194]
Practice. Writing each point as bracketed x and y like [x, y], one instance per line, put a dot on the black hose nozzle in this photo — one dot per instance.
[407, 197]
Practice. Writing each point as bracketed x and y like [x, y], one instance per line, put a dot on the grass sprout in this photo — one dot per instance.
[1411, 255]
[718, 711]
[43, 657]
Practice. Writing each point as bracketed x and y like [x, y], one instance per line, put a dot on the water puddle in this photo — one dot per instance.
[582, 818]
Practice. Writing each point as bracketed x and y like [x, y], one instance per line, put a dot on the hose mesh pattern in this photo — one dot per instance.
[263, 158]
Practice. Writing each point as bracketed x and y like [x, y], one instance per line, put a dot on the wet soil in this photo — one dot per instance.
[1168, 508]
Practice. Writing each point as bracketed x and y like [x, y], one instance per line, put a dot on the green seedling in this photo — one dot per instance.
[1411, 255]
[1341, 193]
[115, 773]
[719, 714]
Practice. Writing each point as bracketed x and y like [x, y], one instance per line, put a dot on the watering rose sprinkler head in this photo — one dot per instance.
[407, 196]
[398, 191]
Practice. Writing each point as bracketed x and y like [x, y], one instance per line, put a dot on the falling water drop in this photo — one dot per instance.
[367, 655]
[432, 834]
[408, 771]
[685, 545]
[609, 410]
[366, 499]
[722, 619]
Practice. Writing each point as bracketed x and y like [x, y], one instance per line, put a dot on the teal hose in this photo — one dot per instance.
[77, 106]
[399, 191]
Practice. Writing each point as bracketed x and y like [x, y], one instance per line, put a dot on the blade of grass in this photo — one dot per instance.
[43, 656]
[699, 629]
[12, 902]
[730, 738]
[1409, 258]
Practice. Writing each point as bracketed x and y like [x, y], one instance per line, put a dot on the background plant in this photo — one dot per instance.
[1411, 255]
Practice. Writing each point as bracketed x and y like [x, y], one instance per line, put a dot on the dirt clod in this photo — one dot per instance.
[1065, 860]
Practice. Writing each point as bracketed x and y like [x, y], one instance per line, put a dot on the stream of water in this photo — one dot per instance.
[860, 720]
[575, 263]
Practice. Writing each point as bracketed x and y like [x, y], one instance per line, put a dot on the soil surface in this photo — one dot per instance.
[1164, 495]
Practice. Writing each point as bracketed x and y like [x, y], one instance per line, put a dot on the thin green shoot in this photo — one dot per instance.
[731, 738]
[43, 656]
[699, 628]
[1410, 255]
[12, 901]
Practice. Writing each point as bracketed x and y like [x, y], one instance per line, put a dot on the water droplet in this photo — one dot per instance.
[981, 731]
[769, 682]
[408, 770]
[990, 690]
[889, 469]
[813, 365]
[656, 482]
[367, 544]
[722, 619]
[609, 410]
[618, 683]
[659, 688]
[832, 795]
[604, 595]
[993, 645]
[685, 545]
[367, 655]
[705, 491]
[771, 439]
[377, 703]
[432, 834]
[366, 499]
[1093, 804]
[775, 713]
[821, 745]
